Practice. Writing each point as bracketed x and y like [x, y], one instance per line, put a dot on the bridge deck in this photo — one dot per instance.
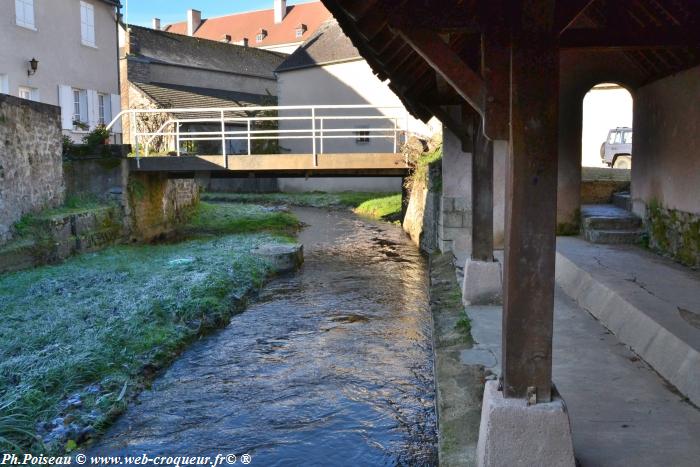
[279, 165]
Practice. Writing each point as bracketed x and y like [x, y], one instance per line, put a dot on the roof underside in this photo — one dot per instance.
[370, 25]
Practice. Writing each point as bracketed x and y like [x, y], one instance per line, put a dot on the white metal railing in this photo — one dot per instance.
[318, 124]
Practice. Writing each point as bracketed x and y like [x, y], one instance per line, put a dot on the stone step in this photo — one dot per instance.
[622, 200]
[614, 237]
[612, 223]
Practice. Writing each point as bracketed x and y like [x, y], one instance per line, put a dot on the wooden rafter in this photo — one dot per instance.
[568, 11]
[448, 64]
[637, 38]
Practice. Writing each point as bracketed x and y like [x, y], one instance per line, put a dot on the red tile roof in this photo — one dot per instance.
[249, 25]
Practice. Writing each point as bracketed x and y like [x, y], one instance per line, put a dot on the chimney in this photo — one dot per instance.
[243, 42]
[194, 19]
[280, 10]
[156, 24]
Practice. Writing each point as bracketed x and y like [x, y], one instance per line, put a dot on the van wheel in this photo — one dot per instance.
[623, 162]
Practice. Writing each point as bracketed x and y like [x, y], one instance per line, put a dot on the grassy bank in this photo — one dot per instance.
[81, 338]
[375, 205]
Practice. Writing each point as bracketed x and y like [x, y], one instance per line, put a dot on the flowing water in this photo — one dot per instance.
[331, 366]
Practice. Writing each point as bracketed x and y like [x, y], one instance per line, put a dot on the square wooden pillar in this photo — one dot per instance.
[482, 196]
[531, 196]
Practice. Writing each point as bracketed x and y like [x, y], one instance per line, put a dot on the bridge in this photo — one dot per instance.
[269, 141]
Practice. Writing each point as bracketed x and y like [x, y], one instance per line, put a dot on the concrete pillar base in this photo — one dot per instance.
[483, 283]
[515, 434]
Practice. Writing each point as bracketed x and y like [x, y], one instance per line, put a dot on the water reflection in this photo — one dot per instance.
[332, 366]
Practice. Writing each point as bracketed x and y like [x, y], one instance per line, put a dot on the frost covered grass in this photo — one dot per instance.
[81, 338]
[376, 205]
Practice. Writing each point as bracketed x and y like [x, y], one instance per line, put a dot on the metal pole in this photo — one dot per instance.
[313, 135]
[321, 135]
[177, 138]
[249, 137]
[223, 139]
[396, 133]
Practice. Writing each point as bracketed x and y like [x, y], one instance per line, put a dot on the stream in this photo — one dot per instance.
[331, 365]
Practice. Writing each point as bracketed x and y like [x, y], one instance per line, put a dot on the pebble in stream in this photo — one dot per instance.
[331, 366]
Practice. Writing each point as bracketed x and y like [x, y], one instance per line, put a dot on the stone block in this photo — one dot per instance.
[483, 283]
[453, 219]
[513, 433]
[283, 258]
[462, 204]
[447, 204]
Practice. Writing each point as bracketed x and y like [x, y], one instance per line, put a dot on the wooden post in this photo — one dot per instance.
[531, 193]
[482, 195]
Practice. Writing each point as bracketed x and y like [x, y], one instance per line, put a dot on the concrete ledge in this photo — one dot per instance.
[515, 434]
[639, 318]
[483, 283]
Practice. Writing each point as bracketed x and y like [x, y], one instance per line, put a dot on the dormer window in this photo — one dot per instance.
[261, 35]
[300, 30]
[226, 38]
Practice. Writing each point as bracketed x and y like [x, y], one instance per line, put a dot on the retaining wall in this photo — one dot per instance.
[31, 174]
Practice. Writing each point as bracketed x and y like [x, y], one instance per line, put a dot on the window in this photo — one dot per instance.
[618, 137]
[4, 84]
[24, 13]
[627, 137]
[261, 36]
[87, 24]
[105, 112]
[80, 110]
[299, 33]
[31, 94]
[362, 136]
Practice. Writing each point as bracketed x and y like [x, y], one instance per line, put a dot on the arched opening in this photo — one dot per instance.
[606, 159]
[607, 127]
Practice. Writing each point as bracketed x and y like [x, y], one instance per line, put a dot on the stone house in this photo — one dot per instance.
[62, 52]
[163, 70]
[329, 70]
[282, 28]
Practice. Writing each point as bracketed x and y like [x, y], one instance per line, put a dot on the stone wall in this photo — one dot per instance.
[423, 212]
[155, 205]
[31, 174]
[455, 220]
[674, 233]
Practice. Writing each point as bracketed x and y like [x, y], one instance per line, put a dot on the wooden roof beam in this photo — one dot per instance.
[568, 11]
[639, 38]
[467, 83]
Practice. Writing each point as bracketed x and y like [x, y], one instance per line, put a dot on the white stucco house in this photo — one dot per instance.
[328, 70]
[62, 52]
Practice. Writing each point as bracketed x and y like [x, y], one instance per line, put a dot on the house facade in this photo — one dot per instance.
[64, 53]
[281, 28]
[162, 70]
[328, 70]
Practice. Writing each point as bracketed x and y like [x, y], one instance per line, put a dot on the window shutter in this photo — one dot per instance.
[65, 101]
[93, 108]
[116, 108]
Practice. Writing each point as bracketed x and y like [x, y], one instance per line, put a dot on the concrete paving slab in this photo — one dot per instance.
[649, 302]
[622, 412]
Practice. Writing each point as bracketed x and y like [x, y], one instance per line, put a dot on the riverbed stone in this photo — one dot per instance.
[283, 258]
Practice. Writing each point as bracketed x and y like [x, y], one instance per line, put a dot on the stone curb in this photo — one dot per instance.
[670, 356]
